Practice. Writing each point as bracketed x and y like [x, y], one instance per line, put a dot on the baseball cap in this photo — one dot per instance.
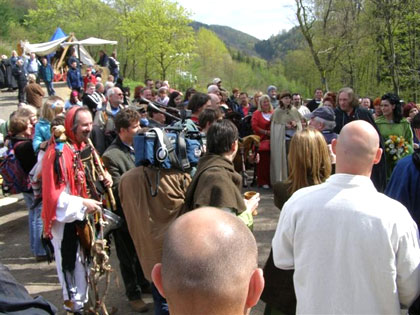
[324, 112]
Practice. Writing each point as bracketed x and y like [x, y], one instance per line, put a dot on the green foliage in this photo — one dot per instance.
[157, 35]
[278, 46]
[232, 38]
[82, 17]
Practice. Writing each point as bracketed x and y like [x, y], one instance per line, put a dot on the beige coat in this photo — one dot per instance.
[149, 217]
[278, 164]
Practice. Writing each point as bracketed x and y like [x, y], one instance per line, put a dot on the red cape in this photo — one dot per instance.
[51, 186]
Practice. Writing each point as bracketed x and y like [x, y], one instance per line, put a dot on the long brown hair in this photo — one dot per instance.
[309, 159]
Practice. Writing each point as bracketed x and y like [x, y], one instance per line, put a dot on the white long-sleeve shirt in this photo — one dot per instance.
[69, 209]
[354, 250]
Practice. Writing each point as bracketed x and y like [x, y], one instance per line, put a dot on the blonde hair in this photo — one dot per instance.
[31, 78]
[53, 106]
[261, 100]
[309, 159]
[257, 94]
[31, 110]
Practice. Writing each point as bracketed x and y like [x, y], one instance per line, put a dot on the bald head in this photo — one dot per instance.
[209, 260]
[357, 148]
[215, 101]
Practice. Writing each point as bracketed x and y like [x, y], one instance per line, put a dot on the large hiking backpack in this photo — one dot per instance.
[15, 180]
[166, 150]
[163, 150]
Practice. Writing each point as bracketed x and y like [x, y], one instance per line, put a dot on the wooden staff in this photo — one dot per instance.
[102, 172]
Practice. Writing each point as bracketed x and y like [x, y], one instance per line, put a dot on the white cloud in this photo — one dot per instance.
[261, 18]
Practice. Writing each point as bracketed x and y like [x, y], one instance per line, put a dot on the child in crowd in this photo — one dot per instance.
[52, 107]
[162, 97]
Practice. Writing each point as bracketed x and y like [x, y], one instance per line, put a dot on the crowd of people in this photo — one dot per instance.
[341, 245]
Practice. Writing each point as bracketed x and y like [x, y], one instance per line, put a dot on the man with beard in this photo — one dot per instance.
[348, 110]
[316, 101]
[69, 194]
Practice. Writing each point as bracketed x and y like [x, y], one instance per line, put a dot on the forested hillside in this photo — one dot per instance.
[234, 39]
[370, 45]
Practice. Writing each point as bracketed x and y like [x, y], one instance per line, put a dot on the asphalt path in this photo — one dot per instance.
[40, 278]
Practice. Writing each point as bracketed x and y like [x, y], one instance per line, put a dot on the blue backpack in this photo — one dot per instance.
[166, 150]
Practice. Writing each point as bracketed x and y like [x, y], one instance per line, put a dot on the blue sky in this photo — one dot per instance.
[259, 18]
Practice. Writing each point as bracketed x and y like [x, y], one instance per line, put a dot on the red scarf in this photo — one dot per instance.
[51, 187]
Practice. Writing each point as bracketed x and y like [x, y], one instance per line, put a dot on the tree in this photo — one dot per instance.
[317, 23]
[210, 56]
[159, 31]
[82, 17]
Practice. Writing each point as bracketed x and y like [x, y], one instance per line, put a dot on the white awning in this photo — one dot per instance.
[42, 49]
[91, 41]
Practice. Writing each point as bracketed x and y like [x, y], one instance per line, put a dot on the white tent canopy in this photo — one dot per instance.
[43, 49]
[91, 41]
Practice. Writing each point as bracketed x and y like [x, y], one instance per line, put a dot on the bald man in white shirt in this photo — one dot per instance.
[354, 250]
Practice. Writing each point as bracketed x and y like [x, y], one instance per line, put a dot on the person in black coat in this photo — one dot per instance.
[103, 59]
[316, 101]
[7, 66]
[20, 76]
[349, 110]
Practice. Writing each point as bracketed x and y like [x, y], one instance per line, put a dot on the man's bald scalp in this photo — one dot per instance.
[208, 253]
[358, 141]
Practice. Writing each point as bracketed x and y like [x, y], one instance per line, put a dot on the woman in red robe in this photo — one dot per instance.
[261, 121]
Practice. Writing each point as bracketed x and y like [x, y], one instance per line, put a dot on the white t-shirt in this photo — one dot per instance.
[354, 250]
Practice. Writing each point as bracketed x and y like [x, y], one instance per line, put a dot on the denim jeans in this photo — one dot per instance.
[35, 225]
[50, 89]
[161, 306]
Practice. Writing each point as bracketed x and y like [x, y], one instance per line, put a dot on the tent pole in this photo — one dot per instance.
[64, 52]
[78, 53]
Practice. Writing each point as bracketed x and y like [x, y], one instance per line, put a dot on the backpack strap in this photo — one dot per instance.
[182, 151]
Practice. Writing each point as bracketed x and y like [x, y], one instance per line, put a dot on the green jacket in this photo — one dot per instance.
[387, 129]
[118, 159]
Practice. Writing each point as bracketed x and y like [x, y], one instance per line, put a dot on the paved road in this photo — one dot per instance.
[41, 278]
[8, 100]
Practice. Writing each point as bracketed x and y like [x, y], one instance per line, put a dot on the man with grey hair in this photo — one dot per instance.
[213, 89]
[215, 101]
[100, 89]
[209, 265]
[353, 249]
[323, 120]
[32, 65]
[104, 132]
[19, 73]
[348, 110]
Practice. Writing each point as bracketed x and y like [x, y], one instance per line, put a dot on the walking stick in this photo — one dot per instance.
[102, 172]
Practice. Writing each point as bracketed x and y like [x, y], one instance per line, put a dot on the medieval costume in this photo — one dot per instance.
[147, 217]
[215, 184]
[66, 182]
[281, 118]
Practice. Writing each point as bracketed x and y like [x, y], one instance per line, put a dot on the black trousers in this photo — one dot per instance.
[131, 271]
[21, 92]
